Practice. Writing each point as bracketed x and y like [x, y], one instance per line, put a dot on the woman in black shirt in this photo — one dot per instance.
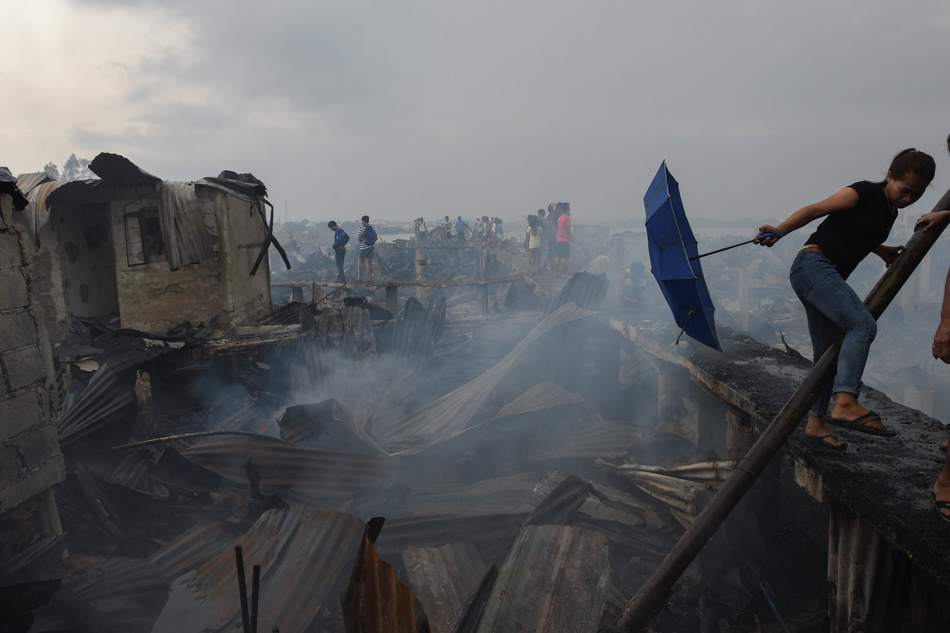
[859, 219]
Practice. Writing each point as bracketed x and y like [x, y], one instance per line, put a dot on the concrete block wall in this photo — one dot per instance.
[30, 458]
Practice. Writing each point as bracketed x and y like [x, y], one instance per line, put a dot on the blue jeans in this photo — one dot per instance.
[832, 307]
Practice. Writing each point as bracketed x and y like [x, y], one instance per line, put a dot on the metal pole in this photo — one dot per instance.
[242, 587]
[255, 595]
[654, 592]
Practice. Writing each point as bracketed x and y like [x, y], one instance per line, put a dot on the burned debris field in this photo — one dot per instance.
[492, 450]
[210, 435]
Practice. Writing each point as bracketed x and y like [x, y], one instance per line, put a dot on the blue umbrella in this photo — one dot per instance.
[674, 259]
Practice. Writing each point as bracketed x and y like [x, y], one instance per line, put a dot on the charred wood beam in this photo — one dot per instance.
[429, 283]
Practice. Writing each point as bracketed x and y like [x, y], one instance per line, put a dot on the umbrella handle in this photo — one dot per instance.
[691, 313]
[761, 236]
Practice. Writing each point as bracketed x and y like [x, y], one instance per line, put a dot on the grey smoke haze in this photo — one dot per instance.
[426, 108]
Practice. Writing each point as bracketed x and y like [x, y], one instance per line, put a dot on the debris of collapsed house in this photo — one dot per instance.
[499, 448]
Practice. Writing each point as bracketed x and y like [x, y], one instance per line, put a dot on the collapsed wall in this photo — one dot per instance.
[30, 458]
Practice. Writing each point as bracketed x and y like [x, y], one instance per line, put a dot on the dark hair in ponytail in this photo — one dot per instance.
[910, 161]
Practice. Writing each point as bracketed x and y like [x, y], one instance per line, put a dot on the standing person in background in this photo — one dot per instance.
[447, 228]
[340, 240]
[543, 253]
[499, 233]
[562, 248]
[550, 234]
[535, 238]
[857, 220]
[460, 226]
[367, 238]
[940, 494]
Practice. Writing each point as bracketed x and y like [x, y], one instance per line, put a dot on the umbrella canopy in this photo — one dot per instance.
[672, 246]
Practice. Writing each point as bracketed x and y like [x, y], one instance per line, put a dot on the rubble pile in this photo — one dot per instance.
[384, 471]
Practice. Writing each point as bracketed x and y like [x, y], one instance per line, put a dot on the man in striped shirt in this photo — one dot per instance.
[367, 238]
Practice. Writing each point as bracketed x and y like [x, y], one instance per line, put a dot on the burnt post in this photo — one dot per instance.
[422, 265]
[651, 597]
[242, 587]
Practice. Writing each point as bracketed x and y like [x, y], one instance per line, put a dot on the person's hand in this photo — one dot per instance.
[941, 346]
[932, 219]
[889, 253]
[776, 235]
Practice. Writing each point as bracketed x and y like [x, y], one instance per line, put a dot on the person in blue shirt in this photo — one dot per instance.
[460, 226]
[340, 239]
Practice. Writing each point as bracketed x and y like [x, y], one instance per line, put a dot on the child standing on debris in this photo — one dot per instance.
[367, 238]
[859, 219]
[535, 238]
[340, 240]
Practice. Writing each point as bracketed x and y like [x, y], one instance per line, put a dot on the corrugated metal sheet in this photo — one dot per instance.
[443, 578]
[584, 289]
[418, 329]
[129, 593]
[326, 425]
[487, 533]
[542, 396]
[376, 602]
[187, 240]
[452, 413]
[538, 587]
[304, 558]
[500, 495]
[36, 211]
[322, 477]
[193, 548]
[874, 587]
[104, 400]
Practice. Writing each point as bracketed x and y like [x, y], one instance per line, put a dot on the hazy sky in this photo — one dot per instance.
[407, 108]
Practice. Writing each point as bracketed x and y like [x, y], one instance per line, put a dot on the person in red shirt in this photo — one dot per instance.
[562, 248]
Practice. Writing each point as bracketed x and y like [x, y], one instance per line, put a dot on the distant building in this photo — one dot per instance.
[152, 252]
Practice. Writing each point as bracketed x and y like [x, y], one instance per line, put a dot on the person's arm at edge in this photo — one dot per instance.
[844, 199]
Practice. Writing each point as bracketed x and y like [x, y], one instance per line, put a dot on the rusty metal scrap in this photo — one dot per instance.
[321, 476]
[452, 413]
[376, 602]
[443, 578]
[537, 587]
[300, 553]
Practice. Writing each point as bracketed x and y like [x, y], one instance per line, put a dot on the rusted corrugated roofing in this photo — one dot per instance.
[544, 395]
[104, 400]
[452, 413]
[375, 601]
[513, 493]
[554, 579]
[584, 289]
[322, 477]
[128, 593]
[326, 425]
[443, 578]
[488, 532]
[304, 556]
[186, 237]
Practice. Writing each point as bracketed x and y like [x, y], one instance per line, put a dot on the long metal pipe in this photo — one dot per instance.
[652, 595]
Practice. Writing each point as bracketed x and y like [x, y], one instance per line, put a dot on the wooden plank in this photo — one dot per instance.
[429, 283]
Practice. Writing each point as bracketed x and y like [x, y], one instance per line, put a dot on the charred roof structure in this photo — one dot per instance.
[154, 253]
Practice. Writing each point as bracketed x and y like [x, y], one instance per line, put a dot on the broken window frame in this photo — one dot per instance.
[143, 233]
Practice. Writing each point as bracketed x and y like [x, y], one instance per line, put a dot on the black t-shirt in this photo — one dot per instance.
[847, 237]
